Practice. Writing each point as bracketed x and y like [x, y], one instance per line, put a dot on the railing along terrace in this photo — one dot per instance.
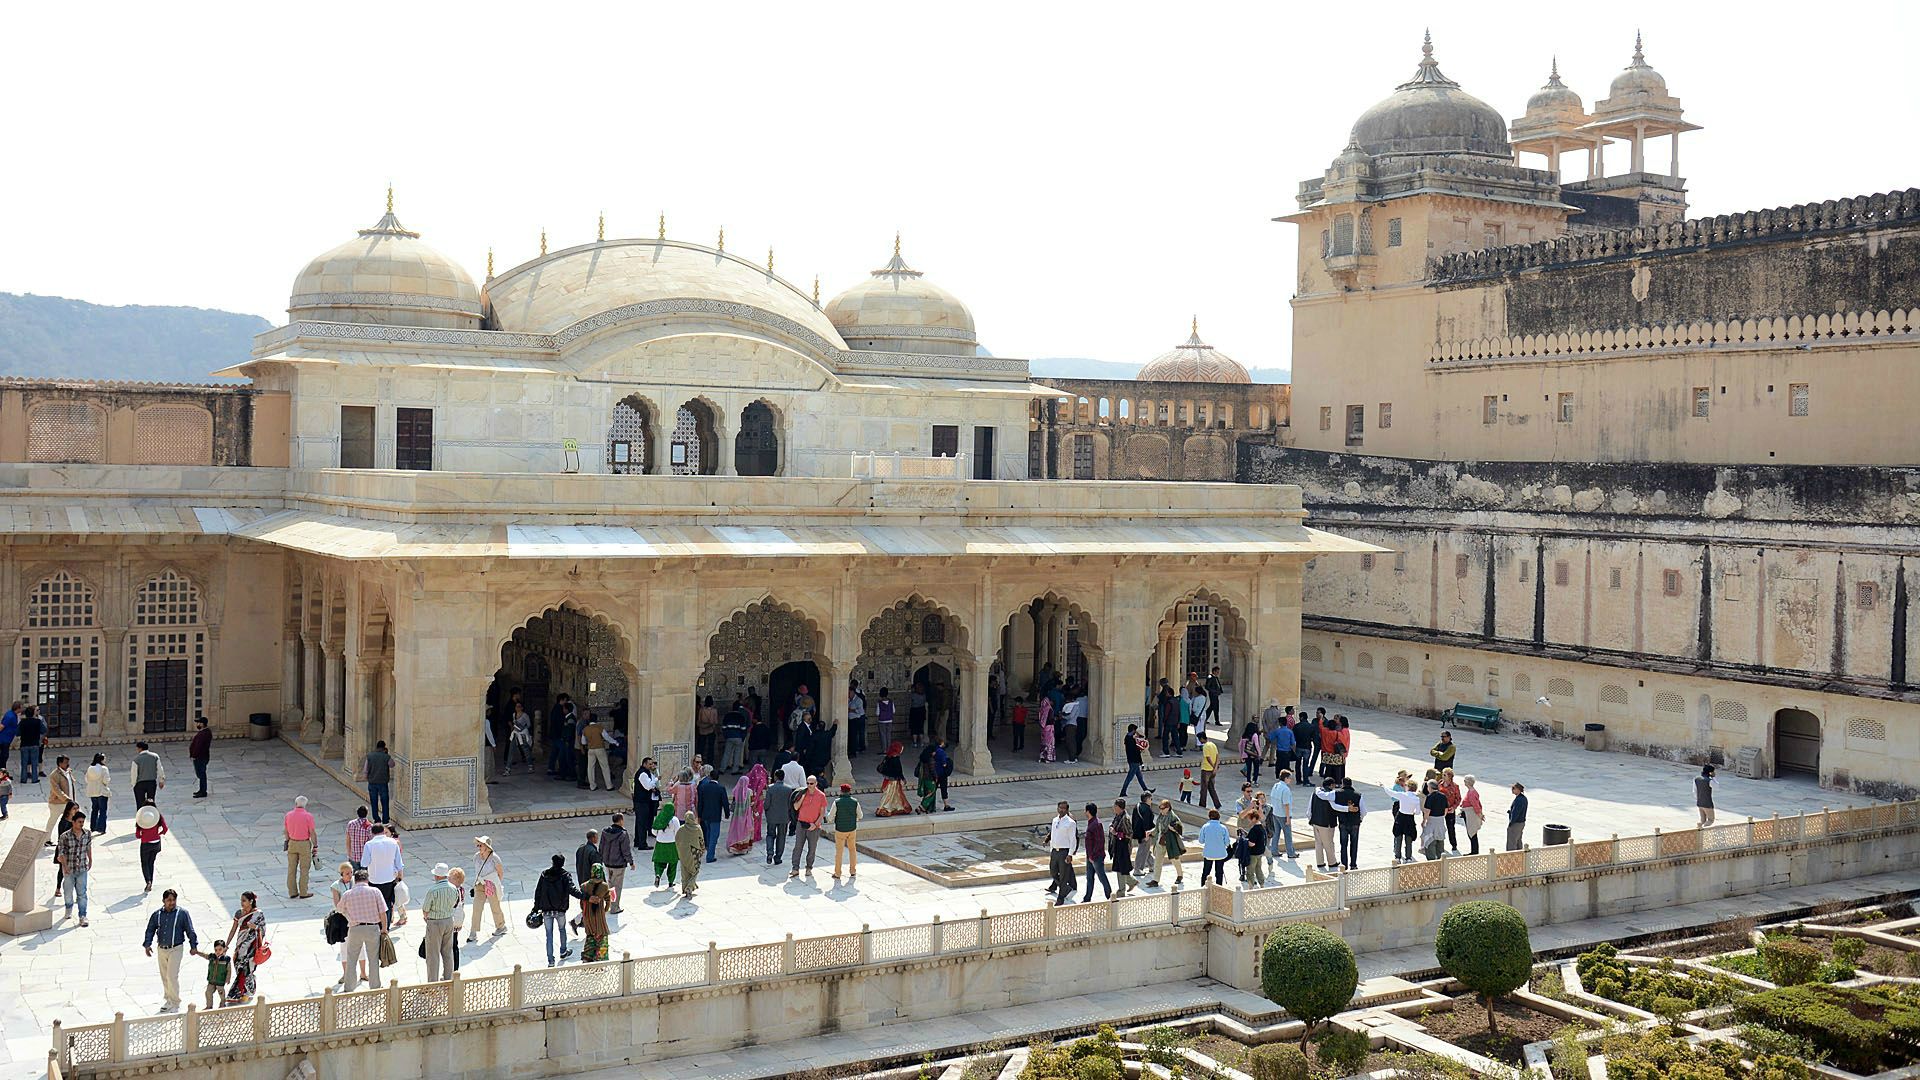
[910, 467]
[1790, 332]
[267, 1021]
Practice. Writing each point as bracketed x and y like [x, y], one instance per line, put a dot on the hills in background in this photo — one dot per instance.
[54, 337]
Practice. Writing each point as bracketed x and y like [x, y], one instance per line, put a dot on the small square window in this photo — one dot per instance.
[1797, 399]
[1489, 409]
[1386, 414]
[1865, 595]
[1366, 562]
[1399, 562]
[1702, 400]
[1356, 424]
[1670, 582]
[1526, 572]
[1460, 566]
[1326, 418]
[1566, 408]
[1560, 572]
[1613, 577]
[1393, 232]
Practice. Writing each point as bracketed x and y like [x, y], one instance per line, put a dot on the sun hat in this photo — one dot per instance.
[147, 816]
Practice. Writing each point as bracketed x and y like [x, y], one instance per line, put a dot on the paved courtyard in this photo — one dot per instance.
[229, 843]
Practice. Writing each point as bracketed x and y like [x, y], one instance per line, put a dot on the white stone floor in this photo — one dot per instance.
[229, 843]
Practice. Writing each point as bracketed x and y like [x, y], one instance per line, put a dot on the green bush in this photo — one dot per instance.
[1278, 1063]
[1308, 971]
[1849, 950]
[1640, 986]
[1096, 1058]
[1862, 1030]
[1484, 945]
[1162, 1044]
[1748, 964]
[1658, 1055]
[1344, 1050]
[1097, 1068]
[1790, 962]
[1765, 1040]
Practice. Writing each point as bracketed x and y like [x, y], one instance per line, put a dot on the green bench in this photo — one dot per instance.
[1485, 716]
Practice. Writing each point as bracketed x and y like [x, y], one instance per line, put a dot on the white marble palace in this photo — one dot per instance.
[639, 471]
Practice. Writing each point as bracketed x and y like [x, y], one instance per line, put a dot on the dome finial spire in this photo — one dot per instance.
[769, 258]
[1196, 326]
[896, 243]
[389, 196]
[543, 239]
[1639, 57]
[1428, 73]
[898, 264]
[816, 290]
[722, 247]
[1553, 76]
[489, 262]
[600, 233]
[663, 224]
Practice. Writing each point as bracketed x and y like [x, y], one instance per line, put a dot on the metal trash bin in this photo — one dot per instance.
[260, 726]
[1556, 834]
[1596, 736]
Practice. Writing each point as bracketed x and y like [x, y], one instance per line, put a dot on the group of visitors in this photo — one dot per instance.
[585, 748]
[1058, 710]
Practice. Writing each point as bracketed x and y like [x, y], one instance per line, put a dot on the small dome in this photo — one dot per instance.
[1638, 78]
[1555, 99]
[386, 275]
[898, 310]
[1194, 361]
[1430, 114]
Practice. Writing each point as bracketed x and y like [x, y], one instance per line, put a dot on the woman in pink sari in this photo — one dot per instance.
[749, 806]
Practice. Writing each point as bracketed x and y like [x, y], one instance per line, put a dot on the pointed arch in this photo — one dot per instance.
[923, 605]
[758, 450]
[694, 446]
[633, 435]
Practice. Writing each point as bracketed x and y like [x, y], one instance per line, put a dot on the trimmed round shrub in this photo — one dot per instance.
[1308, 971]
[1484, 945]
[1344, 1050]
[1278, 1063]
[1790, 962]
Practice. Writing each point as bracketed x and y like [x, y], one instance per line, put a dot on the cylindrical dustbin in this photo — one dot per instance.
[1556, 834]
[1596, 736]
[260, 726]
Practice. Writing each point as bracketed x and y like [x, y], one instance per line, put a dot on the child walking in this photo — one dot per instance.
[219, 970]
[1188, 785]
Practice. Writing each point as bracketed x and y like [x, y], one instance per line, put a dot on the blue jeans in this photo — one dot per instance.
[200, 772]
[1282, 835]
[30, 763]
[99, 822]
[1252, 770]
[74, 888]
[378, 803]
[1097, 868]
[1133, 773]
[712, 829]
[556, 922]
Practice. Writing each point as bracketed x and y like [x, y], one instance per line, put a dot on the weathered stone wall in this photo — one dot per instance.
[56, 420]
[1153, 430]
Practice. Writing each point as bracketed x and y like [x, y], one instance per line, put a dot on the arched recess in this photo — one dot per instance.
[167, 653]
[569, 648]
[1050, 638]
[1201, 629]
[764, 652]
[694, 449]
[631, 437]
[757, 448]
[1796, 742]
[369, 716]
[60, 654]
[918, 645]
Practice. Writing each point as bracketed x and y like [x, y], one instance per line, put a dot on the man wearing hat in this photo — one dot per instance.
[440, 909]
[297, 828]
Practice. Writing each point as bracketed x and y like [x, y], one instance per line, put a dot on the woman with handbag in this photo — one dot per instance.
[337, 920]
[490, 884]
[249, 937]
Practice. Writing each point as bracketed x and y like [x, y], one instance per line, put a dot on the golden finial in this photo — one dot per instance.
[816, 290]
[602, 234]
[543, 239]
[723, 238]
[896, 243]
[663, 225]
[769, 260]
[1196, 326]
[489, 264]
[389, 196]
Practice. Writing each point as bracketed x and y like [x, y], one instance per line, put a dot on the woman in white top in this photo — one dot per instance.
[97, 789]
[340, 886]
[489, 885]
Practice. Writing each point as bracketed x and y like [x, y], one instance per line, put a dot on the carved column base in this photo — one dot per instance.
[333, 744]
[311, 729]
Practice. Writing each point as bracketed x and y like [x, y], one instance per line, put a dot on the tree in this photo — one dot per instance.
[1308, 971]
[1484, 945]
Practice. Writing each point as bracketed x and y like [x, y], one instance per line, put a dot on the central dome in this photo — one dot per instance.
[1638, 77]
[898, 310]
[386, 275]
[1194, 361]
[1430, 114]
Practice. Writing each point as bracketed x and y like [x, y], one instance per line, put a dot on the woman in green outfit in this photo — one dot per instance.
[595, 899]
[1167, 829]
[666, 848]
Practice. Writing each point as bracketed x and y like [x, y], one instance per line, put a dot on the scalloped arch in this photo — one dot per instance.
[769, 602]
[963, 645]
[1089, 625]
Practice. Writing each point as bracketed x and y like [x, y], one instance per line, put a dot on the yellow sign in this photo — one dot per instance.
[570, 444]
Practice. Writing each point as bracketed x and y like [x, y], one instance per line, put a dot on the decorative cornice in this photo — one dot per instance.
[901, 330]
[417, 301]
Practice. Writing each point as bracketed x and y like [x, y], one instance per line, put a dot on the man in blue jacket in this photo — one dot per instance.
[711, 804]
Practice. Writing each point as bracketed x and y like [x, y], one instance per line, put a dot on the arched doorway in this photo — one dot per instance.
[762, 654]
[1796, 743]
[629, 437]
[1203, 636]
[694, 448]
[562, 657]
[916, 644]
[1051, 642]
[756, 449]
[783, 688]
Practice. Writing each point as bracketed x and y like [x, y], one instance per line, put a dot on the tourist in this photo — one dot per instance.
[1517, 818]
[359, 831]
[1471, 814]
[1433, 821]
[362, 921]
[1018, 719]
[942, 771]
[596, 898]
[553, 895]
[457, 877]
[1244, 800]
[733, 737]
[1336, 745]
[337, 923]
[1166, 715]
[856, 719]
[562, 735]
[149, 775]
[60, 795]
[1136, 747]
[578, 725]
[792, 772]
[1141, 822]
[296, 831]
[219, 968]
[1183, 723]
[1443, 751]
[490, 884]
[1069, 733]
[9, 730]
[520, 739]
[1451, 790]
[1352, 810]
[32, 734]
[1213, 689]
[379, 777]
[1406, 815]
[1120, 849]
[776, 804]
[692, 843]
[249, 934]
[1703, 786]
[440, 909]
[1188, 785]
[883, 719]
[680, 792]
[1325, 822]
[1209, 766]
[917, 713]
[170, 928]
[749, 805]
[586, 855]
[1049, 732]
[666, 846]
[599, 765]
[1280, 741]
[1280, 811]
[74, 853]
[759, 741]
[1253, 837]
[200, 751]
[712, 804]
[384, 864]
[893, 785]
[1063, 839]
[99, 783]
[1251, 751]
[845, 815]
[1096, 843]
[1214, 841]
[809, 807]
[6, 793]
[646, 800]
[616, 854]
[1306, 740]
[1171, 844]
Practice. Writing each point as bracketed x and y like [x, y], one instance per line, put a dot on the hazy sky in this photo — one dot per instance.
[1085, 177]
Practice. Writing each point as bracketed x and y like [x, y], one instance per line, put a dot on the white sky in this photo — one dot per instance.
[1084, 176]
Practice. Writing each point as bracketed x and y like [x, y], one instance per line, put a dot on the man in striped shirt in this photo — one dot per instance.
[359, 831]
[366, 911]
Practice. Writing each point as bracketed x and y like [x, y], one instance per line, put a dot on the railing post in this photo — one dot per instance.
[1173, 907]
[456, 997]
[190, 1029]
[117, 1038]
[1238, 905]
[60, 1046]
[393, 1001]
[1340, 893]
[713, 963]
[517, 990]
[329, 1011]
[1656, 844]
[260, 1025]
[1113, 917]
[1749, 830]
[786, 956]
[936, 936]
[985, 927]
[1047, 915]
[1493, 861]
[626, 974]
[866, 944]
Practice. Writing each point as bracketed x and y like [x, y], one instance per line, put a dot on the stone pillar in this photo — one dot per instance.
[833, 709]
[333, 680]
[1673, 165]
[353, 735]
[973, 756]
[312, 726]
[113, 706]
[1639, 145]
[9, 683]
[293, 713]
[1103, 737]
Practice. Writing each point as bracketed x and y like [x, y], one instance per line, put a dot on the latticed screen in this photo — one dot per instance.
[57, 690]
[66, 431]
[165, 700]
[167, 600]
[627, 439]
[173, 435]
[60, 601]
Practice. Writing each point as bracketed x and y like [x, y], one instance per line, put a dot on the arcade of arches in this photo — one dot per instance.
[696, 444]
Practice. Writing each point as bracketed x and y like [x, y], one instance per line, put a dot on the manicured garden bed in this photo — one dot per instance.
[1862, 1029]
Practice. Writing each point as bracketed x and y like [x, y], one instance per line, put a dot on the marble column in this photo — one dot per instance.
[1103, 737]
[333, 680]
[973, 756]
[9, 683]
[353, 735]
[293, 713]
[833, 707]
[314, 723]
[113, 707]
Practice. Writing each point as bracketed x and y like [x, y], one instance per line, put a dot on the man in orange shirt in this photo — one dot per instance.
[297, 828]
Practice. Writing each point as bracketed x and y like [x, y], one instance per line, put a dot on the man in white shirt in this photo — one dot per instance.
[1062, 841]
[792, 774]
[382, 859]
[1280, 798]
[1075, 712]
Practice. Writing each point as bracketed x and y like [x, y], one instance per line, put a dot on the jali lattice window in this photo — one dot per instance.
[66, 431]
[61, 600]
[173, 435]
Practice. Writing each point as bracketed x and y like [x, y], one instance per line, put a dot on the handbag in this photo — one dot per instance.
[261, 953]
[535, 920]
[336, 928]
